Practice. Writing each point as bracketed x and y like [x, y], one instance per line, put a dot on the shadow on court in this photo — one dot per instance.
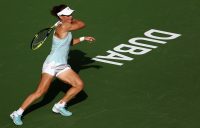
[78, 61]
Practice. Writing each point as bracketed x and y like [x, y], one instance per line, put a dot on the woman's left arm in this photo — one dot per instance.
[86, 38]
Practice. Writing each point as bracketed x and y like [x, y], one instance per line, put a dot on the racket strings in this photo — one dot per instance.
[40, 37]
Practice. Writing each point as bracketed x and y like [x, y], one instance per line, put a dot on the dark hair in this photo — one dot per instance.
[57, 9]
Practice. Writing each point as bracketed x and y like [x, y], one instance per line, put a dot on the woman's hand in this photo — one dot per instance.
[89, 38]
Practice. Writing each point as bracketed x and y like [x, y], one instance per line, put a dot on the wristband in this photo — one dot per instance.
[82, 39]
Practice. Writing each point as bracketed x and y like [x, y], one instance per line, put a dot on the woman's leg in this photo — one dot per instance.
[42, 88]
[72, 78]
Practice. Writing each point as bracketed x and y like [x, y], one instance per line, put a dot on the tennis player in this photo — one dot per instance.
[56, 64]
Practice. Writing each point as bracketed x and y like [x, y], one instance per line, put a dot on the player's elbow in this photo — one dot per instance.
[81, 25]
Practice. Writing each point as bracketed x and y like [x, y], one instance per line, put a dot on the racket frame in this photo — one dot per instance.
[48, 33]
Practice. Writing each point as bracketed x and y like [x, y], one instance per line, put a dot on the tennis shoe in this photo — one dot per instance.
[16, 118]
[62, 110]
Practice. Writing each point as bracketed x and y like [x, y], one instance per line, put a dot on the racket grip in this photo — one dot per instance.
[56, 24]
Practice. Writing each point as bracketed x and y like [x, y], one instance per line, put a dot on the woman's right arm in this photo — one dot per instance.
[66, 27]
[76, 25]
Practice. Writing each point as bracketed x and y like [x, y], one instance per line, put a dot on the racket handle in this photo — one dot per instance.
[57, 23]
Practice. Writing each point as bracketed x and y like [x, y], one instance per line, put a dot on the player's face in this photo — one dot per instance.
[68, 18]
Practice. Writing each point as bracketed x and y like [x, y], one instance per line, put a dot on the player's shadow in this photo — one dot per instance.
[79, 61]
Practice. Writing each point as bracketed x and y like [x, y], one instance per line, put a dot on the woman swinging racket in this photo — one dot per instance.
[56, 64]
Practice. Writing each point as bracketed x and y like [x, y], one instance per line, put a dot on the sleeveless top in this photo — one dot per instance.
[60, 50]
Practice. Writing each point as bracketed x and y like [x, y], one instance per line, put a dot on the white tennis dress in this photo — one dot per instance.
[56, 61]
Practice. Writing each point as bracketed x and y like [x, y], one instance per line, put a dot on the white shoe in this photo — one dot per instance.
[57, 109]
[16, 118]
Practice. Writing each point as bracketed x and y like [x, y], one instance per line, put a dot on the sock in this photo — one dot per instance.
[20, 111]
[61, 104]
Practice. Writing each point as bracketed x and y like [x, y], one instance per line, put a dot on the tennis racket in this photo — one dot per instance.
[41, 36]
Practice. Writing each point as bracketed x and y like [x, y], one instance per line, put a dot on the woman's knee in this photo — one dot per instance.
[79, 85]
